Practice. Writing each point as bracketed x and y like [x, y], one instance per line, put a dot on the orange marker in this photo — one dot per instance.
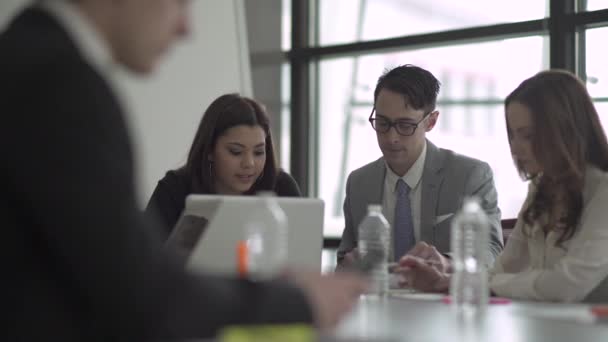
[242, 258]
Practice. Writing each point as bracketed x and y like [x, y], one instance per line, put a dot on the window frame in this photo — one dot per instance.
[565, 26]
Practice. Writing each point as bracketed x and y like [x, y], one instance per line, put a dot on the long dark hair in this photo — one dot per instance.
[567, 138]
[225, 112]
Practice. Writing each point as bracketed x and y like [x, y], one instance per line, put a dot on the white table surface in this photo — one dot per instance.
[424, 317]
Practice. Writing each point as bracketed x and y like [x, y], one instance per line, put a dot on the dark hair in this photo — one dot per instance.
[418, 86]
[567, 138]
[225, 112]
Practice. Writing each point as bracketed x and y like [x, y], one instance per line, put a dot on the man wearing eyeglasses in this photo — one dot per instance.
[419, 185]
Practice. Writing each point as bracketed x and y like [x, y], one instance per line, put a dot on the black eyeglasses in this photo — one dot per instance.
[402, 126]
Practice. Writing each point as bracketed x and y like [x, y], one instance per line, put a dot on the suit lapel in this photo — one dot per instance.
[370, 191]
[431, 183]
[375, 186]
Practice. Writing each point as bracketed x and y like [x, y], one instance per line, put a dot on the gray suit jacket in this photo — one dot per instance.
[447, 178]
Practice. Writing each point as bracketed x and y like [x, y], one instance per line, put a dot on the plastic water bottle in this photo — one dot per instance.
[374, 235]
[470, 239]
[264, 252]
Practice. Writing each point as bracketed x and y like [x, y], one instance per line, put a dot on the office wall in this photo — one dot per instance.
[264, 33]
[165, 109]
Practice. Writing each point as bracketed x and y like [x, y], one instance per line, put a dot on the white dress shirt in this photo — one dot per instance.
[389, 198]
[534, 268]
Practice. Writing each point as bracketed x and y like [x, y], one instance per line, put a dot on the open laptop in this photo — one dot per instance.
[211, 226]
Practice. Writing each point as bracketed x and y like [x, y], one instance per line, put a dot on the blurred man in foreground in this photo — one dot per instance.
[85, 266]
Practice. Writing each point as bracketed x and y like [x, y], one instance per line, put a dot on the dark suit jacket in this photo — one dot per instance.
[447, 178]
[169, 197]
[82, 264]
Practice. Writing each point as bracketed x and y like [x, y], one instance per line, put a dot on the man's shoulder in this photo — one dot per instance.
[33, 34]
[455, 161]
[38, 59]
[372, 169]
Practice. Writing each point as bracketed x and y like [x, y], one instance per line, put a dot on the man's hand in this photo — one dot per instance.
[430, 254]
[423, 274]
[425, 269]
[331, 296]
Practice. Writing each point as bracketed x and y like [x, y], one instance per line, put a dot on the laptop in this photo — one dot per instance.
[210, 227]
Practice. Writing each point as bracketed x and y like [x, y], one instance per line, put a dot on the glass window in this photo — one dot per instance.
[346, 21]
[285, 138]
[602, 110]
[286, 24]
[475, 77]
[594, 5]
[596, 56]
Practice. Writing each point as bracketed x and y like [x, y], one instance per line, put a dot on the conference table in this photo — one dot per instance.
[410, 316]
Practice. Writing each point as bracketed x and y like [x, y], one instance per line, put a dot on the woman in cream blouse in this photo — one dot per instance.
[558, 250]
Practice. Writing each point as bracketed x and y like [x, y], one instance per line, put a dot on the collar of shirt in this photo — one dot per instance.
[412, 176]
[86, 37]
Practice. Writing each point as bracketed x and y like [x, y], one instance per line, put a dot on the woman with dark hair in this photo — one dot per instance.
[232, 154]
[558, 250]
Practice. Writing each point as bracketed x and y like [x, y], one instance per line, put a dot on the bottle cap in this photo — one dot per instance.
[266, 193]
[471, 204]
[374, 208]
